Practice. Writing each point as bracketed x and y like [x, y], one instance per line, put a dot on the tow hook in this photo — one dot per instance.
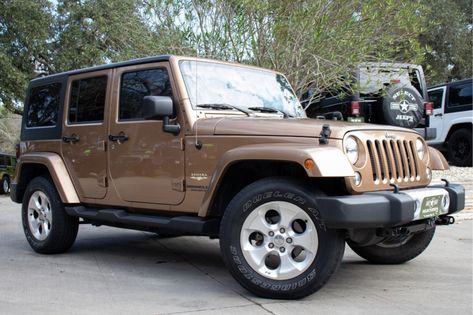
[446, 220]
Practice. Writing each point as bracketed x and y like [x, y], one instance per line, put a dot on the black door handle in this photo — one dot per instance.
[121, 137]
[71, 139]
[438, 115]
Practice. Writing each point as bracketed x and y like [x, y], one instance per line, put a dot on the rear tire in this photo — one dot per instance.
[395, 252]
[402, 106]
[5, 185]
[274, 242]
[459, 148]
[47, 227]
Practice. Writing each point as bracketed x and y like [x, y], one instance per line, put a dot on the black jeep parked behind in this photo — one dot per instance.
[382, 93]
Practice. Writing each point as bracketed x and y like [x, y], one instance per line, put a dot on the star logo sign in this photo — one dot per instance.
[404, 106]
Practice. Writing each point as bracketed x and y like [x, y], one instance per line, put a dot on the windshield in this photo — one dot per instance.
[213, 83]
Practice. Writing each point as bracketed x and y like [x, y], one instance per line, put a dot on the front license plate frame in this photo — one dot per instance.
[429, 202]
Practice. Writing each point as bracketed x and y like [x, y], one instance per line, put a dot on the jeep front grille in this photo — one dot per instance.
[393, 161]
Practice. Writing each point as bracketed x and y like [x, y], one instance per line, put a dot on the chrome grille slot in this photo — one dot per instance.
[393, 161]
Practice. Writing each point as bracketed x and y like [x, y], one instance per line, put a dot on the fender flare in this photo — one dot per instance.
[58, 171]
[437, 160]
[329, 162]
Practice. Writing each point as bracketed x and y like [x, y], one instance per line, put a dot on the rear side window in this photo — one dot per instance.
[460, 95]
[87, 102]
[43, 105]
[435, 97]
[136, 85]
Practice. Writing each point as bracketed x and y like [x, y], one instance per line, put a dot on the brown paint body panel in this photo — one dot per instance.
[58, 171]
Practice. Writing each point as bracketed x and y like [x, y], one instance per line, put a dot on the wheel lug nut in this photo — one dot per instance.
[271, 233]
[270, 245]
[289, 240]
[282, 230]
[282, 249]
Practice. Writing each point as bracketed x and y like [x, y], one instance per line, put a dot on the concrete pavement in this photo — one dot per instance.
[113, 271]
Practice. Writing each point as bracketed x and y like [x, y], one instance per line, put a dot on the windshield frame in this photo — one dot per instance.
[297, 108]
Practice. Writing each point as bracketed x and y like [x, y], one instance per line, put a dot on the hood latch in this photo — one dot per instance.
[325, 134]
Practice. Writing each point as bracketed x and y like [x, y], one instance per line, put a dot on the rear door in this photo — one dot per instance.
[85, 130]
[146, 164]
[438, 97]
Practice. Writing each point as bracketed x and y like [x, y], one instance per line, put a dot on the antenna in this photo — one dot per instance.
[198, 144]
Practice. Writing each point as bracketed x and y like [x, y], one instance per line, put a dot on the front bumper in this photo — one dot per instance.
[382, 209]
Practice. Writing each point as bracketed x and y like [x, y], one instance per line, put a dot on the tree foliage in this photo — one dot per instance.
[314, 42]
[448, 40]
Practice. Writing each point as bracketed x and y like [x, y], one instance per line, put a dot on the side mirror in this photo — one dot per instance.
[160, 107]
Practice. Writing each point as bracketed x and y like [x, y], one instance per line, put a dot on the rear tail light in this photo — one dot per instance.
[429, 108]
[395, 81]
[355, 108]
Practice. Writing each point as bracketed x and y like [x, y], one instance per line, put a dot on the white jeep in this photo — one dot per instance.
[452, 118]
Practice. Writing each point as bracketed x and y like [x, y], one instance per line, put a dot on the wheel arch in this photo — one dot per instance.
[32, 165]
[453, 128]
[242, 167]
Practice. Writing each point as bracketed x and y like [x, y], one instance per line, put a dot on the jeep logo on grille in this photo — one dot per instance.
[390, 136]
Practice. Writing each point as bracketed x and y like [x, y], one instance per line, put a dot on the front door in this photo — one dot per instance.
[146, 164]
[85, 131]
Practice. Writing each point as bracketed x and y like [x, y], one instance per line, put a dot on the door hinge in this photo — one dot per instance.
[102, 145]
[102, 181]
[178, 185]
[183, 144]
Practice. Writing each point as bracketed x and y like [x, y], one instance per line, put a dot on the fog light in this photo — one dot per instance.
[428, 172]
[446, 202]
[357, 178]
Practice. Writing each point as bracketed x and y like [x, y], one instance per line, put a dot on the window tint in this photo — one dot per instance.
[436, 98]
[43, 105]
[136, 85]
[460, 95]
[87, 100]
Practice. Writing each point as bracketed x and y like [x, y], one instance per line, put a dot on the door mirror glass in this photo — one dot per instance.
[157, 107]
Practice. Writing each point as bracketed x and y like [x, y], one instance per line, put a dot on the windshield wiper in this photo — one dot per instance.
[263, 109]
[223, 106]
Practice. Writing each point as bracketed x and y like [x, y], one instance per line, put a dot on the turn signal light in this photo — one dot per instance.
[429, 108]
[309, 164]
[355, 108]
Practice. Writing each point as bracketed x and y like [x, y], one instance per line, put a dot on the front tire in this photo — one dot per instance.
[275, 244]
[395, 251]
[47, 227]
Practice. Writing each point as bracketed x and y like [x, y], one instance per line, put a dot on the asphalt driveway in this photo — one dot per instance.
[112, 271]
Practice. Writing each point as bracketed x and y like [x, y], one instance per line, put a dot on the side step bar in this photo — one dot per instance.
[184, 225]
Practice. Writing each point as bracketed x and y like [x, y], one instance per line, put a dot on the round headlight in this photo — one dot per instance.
[420, 148]
[351, 149]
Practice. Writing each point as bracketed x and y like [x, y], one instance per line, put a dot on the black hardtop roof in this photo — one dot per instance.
[104, 67]
[450, 83]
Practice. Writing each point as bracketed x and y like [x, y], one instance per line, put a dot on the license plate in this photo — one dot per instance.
[356, 119]
[431, 207]
[429, 202]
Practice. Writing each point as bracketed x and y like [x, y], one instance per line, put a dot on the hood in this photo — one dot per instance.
[254, 126]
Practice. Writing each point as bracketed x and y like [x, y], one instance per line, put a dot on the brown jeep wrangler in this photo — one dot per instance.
[187, 146]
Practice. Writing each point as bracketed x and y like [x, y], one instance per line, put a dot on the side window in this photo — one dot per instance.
[87, 100]
[2, 161]
[460, 95]
[435, 97]
[136, 85]
[43, 105]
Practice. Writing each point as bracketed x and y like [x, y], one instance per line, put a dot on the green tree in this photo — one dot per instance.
[25, 29]
[448, 40]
